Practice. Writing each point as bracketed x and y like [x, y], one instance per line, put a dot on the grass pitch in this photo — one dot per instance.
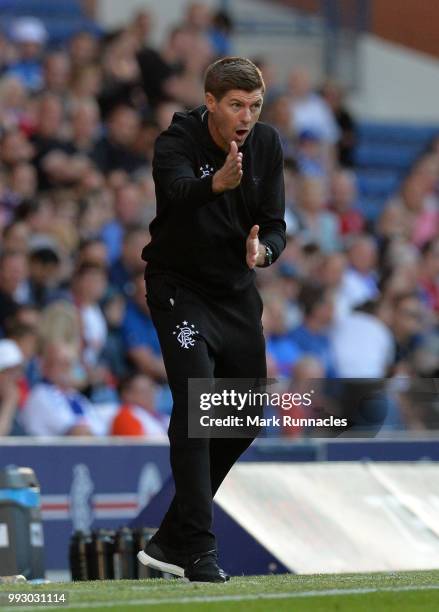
[387, 592]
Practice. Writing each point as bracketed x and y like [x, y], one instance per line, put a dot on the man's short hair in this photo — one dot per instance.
[232, 73]
[311, 295]
[127, 382]
[45, 256]
[86, 267]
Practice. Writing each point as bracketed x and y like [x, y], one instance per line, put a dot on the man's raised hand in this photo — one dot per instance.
[230, 175]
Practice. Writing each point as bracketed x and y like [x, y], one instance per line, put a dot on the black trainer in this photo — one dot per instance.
[204, 568]
[163, 558]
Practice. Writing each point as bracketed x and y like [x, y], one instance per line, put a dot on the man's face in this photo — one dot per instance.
[142, 393]
[123, 126]
[409, 317]
[233, 117]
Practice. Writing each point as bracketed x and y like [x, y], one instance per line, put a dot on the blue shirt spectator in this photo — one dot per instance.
[312, 336]
[316, 343]
[138, 329]
[139, 335]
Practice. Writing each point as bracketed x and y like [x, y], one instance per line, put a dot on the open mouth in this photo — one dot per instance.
[241, 133]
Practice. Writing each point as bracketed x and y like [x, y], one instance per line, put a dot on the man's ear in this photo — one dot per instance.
[210, 102]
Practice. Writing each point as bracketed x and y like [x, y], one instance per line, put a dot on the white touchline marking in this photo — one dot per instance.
[248, 597]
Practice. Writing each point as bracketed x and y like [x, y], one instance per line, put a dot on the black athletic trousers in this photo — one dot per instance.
[201, 338]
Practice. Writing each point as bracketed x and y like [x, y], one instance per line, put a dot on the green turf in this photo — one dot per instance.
[261, 593]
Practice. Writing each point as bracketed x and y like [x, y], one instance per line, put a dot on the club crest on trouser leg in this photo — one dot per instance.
[185, 334]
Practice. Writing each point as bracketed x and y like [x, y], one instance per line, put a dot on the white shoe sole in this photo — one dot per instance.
[160, 565]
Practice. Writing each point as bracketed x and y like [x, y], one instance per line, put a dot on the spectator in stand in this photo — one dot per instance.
[120, 74]
[25, 337]
[333, 95]
[140, 337]
[164, 112]
[279, 347]
[14, 111]
[287, 283]
[92, 251]
[54, 407]
[160, 69]
[278, 114]
[59, 323]
[292, 183]
[27, 315]
[330, 274]
[197, 17]
[83, 50]
[95, 212]
[175, 71]
[392, 224]
[396, 279]
[360, 279]
[408, 327]
[128, 209]
[11, 360]
[220, 34]
[115, 151]
[34, 217]
[52, 150]
[137, 415]
[149, 131]
[141, 28]
[308, 110]
[86, 83]
[130, 263]
[88, 287]
[14, 148]
[312, 337]
[362, 345]
[310, 157]
[429, 275]
[44, 276]
[318, 225]
[23, 183]
[418, 203]
[13, 274]
[343, 202]
[85, 126]
[56, 73]
[30, 35]
[113, 355]
[305, 376]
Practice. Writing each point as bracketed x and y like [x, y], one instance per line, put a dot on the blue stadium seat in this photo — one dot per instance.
[60, 29]
[393, 156]
[396, 132]
[66, 9]
[371, 207]
[376, 183]
[384, 154]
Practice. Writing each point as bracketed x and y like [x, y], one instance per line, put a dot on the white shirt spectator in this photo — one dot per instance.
[94, 332]
[50, 411]
[357, 288]
[362, 346]
[312, 113]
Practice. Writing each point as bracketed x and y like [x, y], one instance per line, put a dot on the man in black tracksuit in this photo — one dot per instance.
[220, 212]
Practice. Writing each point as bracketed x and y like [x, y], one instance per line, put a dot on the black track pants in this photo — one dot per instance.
[201, 338]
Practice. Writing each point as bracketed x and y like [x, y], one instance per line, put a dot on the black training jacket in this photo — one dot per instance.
[198, 237]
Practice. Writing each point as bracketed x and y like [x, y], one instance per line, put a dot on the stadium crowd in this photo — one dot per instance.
[78, 352]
